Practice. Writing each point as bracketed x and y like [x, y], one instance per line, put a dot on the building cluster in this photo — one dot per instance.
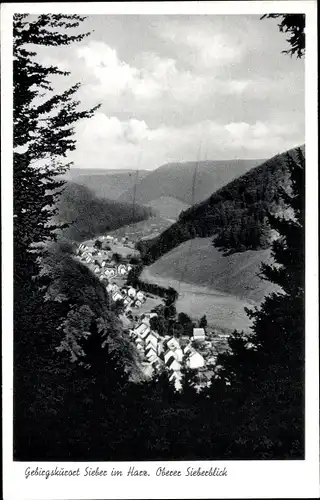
[157, 353]
[172, 354]
[103, 264]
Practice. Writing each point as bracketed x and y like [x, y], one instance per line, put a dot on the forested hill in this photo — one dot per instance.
[89, 216]
[175, 180]
[235, 214]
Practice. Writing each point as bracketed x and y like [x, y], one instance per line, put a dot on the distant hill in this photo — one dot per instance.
[143, 230]
[109, 184]
[235, 215]
[167, 207]
[175, 180]
[90, 216]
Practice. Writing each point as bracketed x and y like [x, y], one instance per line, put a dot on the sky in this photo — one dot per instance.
[181, 88]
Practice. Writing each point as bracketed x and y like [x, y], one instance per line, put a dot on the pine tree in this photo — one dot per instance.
[203, 323]
[43, 134]
[266, 370]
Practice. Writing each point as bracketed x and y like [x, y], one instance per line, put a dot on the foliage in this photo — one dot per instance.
[88, 216]
[294, 24]
[203, 323]
[268, 367]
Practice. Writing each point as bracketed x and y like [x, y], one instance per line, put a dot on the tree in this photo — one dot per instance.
[98, 244]
[117, 258]
[42, 136]
[266, 369]
[203, 323]
[294, 24]
[43, 133]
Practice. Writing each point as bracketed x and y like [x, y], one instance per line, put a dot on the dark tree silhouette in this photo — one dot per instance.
[42, 135]
[294, 24]
[266, 369]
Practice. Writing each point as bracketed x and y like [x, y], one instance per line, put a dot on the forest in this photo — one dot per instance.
[235, 215]
[87, 216]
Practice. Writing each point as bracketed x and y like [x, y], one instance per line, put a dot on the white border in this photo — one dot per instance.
[255, 479]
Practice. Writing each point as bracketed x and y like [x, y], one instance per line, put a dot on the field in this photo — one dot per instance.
[168, 207]
[198, 262]
[213, 284]
[224, 312]
[145, 229]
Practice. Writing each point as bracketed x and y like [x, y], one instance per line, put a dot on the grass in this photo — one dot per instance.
[224, 312]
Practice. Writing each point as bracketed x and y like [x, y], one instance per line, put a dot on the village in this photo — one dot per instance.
[111, 259]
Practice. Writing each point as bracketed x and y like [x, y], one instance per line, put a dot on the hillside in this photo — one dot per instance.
[167, 207]
[109, 184]
[199, 262]
[176, 180]
[90, 216]
[143, 230]
[235, 215]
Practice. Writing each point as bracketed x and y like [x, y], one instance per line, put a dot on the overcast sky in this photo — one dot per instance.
[168, 84]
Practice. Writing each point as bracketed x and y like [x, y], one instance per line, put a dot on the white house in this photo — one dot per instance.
[142, 330]
[152, 340]
[140, 296]
[117, 296]
[178, 355]
[138, 303]
[195, 361]
[132, 292]
[211, 361]
[110, 272]
[173, 344]
[176, 378]
[127, 301]
[122, 270]
[199, 334]
[171, 361]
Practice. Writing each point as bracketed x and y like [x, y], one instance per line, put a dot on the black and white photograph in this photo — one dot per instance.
[159, 239]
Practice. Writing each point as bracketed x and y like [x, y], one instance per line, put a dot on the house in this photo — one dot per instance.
[127, 301]
[122, 270]
[152, 340]
[117, 296]
[132, 292]
[178, 355]
[138, 303]
[171, 362]
[195, 361]
[176, 378]
[140, 296]
[142, 330]
[110, 272]
[151, 354]
[97, 269]
[211, 361]
[199, 334]
[173, 344]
